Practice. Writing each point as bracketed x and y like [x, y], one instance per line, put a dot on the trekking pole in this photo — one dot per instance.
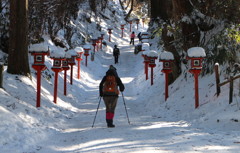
[125, 108]
[96, 112]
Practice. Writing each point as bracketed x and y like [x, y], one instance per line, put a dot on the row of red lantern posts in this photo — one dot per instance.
[195, 55]
[61, 62]
[130, 21]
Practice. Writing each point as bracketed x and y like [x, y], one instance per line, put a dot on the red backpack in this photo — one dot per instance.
[110, 86]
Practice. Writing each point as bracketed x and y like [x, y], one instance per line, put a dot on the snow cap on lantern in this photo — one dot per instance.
[152, 55]
[196, 55]
[65, 61]
[145, 46]
[39, 51]
[79, 51]
[57, 56]
[86, 48]
[166, 57]
[73, 54]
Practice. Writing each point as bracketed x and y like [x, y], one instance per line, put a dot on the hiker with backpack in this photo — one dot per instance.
[132, 36]
[108, 89]
[116, 53]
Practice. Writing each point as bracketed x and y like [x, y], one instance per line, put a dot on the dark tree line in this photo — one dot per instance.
[193, 23]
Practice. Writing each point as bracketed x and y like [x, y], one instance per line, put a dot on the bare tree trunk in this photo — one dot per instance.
[128, 4]
[121, 3]
[130, 11]
[18, 46]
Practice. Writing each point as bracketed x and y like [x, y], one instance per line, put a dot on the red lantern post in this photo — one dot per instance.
[110, 32]
[94, 42]
[57, 58]
[86, 49]
[130, 22]
[65, 67]
[122, 28]
[102, 37]
[167, 58]
[152, 56]
[196, 55]
[137, 22]
[72, 62]
[146, 62]
[39, 66]
[79, 51]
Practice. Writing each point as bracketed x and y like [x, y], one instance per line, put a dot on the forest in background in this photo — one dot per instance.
[179, 25]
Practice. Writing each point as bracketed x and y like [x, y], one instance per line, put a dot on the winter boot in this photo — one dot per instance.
[110, 123]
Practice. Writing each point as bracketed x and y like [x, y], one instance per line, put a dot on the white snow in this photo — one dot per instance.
[72, 52]
[152, 53]
[165, 55]
[79, 49]
[156, 125]
[38, 48]
[57, 53]
[196, 52]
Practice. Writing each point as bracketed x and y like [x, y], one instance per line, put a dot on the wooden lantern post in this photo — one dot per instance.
[109, 32]
[102, 37]
[146, 62]
[39, 66]
[94, 42]
[65, 68]
[79, 51]
[57, 57]
[196, 55]
[86, 49]
[152, 56]
[72, 62]
[122, 28]
[137, 22]
[167, 58]
[130, 23]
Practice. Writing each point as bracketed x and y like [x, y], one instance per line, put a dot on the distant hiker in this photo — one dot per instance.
[116, 53]
[108, 89]
[139, 36]
[132, 36]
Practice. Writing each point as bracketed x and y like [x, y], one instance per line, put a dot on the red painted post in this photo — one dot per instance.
[55, 87]
[109, 32]
[39, 66]
[38, 88]
[151, 76]
[122, 28]
[102, 34]
[71, 62]
[196, 55]
[65, 82]
[86, 48]
[71, 74]
[130, 22]
[196, 90]
[152, 56]
[167, 58]
[137, 22]
[166, 86]
[79, 51]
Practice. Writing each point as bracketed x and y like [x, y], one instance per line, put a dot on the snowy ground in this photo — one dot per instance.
[156, 125]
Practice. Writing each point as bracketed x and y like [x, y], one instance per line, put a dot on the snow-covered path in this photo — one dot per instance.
[146, 133]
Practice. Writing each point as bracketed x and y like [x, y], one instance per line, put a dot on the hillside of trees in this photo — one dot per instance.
[179, 25]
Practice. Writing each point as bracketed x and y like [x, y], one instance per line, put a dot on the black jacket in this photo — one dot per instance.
[116, 52]
[119, 82]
